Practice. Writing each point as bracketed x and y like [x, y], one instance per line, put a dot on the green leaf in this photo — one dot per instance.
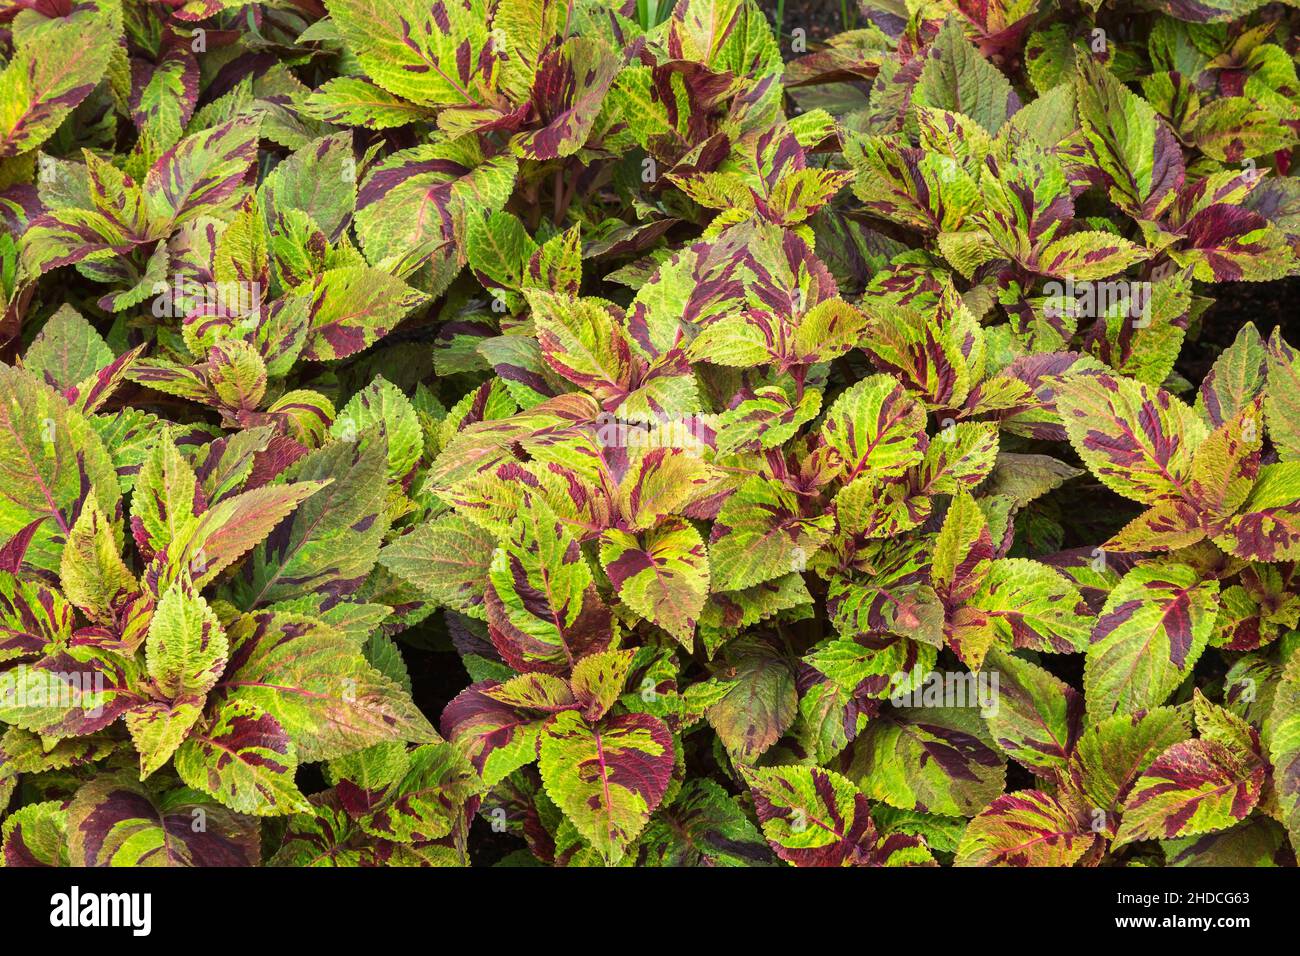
[1037, 717]
[442, 57]
[51, 455]
[67, 350]
[36, 835]
[1283, 734]
[1032, 606]
[351, 101]
[955, 77]
[1197, 786]
[92, 572]
[243, 757]
[428, 802]
[815, 817]
[1112, 754]
[447, 560]
[332, 541]
[1153, 628]
[543, 610]
[662, 574]
[1026, 828]
[163, 505]
[1137, 440]
[607, 777]
[1134, 149]
[876, 428]
[114, 821]
[186, 648]
[314, 680]
[939, 759]
[759, 703]
[1282, 405]
[381, 408]
[703, 826]
[47, 78]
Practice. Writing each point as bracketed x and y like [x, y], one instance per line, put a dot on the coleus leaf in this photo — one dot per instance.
[92, 572]
[427, 802]
[202, 173]
[302, 556]
[53, 455]
[925, 191]
[164, 95]
[380, 408]
[570, 84]
[67, 351]
[186, 648]
[351, 307]
[329, 836]
[1283, 735]
[543, 610]
[415, 203]
[351, 101]
[1137, 440]
[443, 56]
[313, 679]
[1038, 718]
[703, 826]
[1031, 605]
[1154, 627]
[939, 760]
[72, 692]
[937, 353]
[244, 758]
[36, 835]
[758, 700]
[581, 341]
[158, 727]
[607, 777]
[955, 77]
[816, 817]
[872, 665]
[1197, 786]
[876, 428]
[1235, 128]
[33, 616]
[1256, 842]
[662, 574]
[761, 533]
[114, 821]
[166, 500]
[1267, 528]
[1026, 828]
[1134, 149]
[44, 81]
[447, 559]
[497, 737]
[1282, 406]
[1112, 753]
[597, 681]
[318, 180]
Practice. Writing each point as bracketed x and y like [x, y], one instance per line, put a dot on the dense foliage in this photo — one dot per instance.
[799, 443]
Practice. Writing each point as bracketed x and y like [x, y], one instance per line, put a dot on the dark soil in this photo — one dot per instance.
[819, 19]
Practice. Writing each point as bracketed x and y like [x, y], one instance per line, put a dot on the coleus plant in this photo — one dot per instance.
[575, 433]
